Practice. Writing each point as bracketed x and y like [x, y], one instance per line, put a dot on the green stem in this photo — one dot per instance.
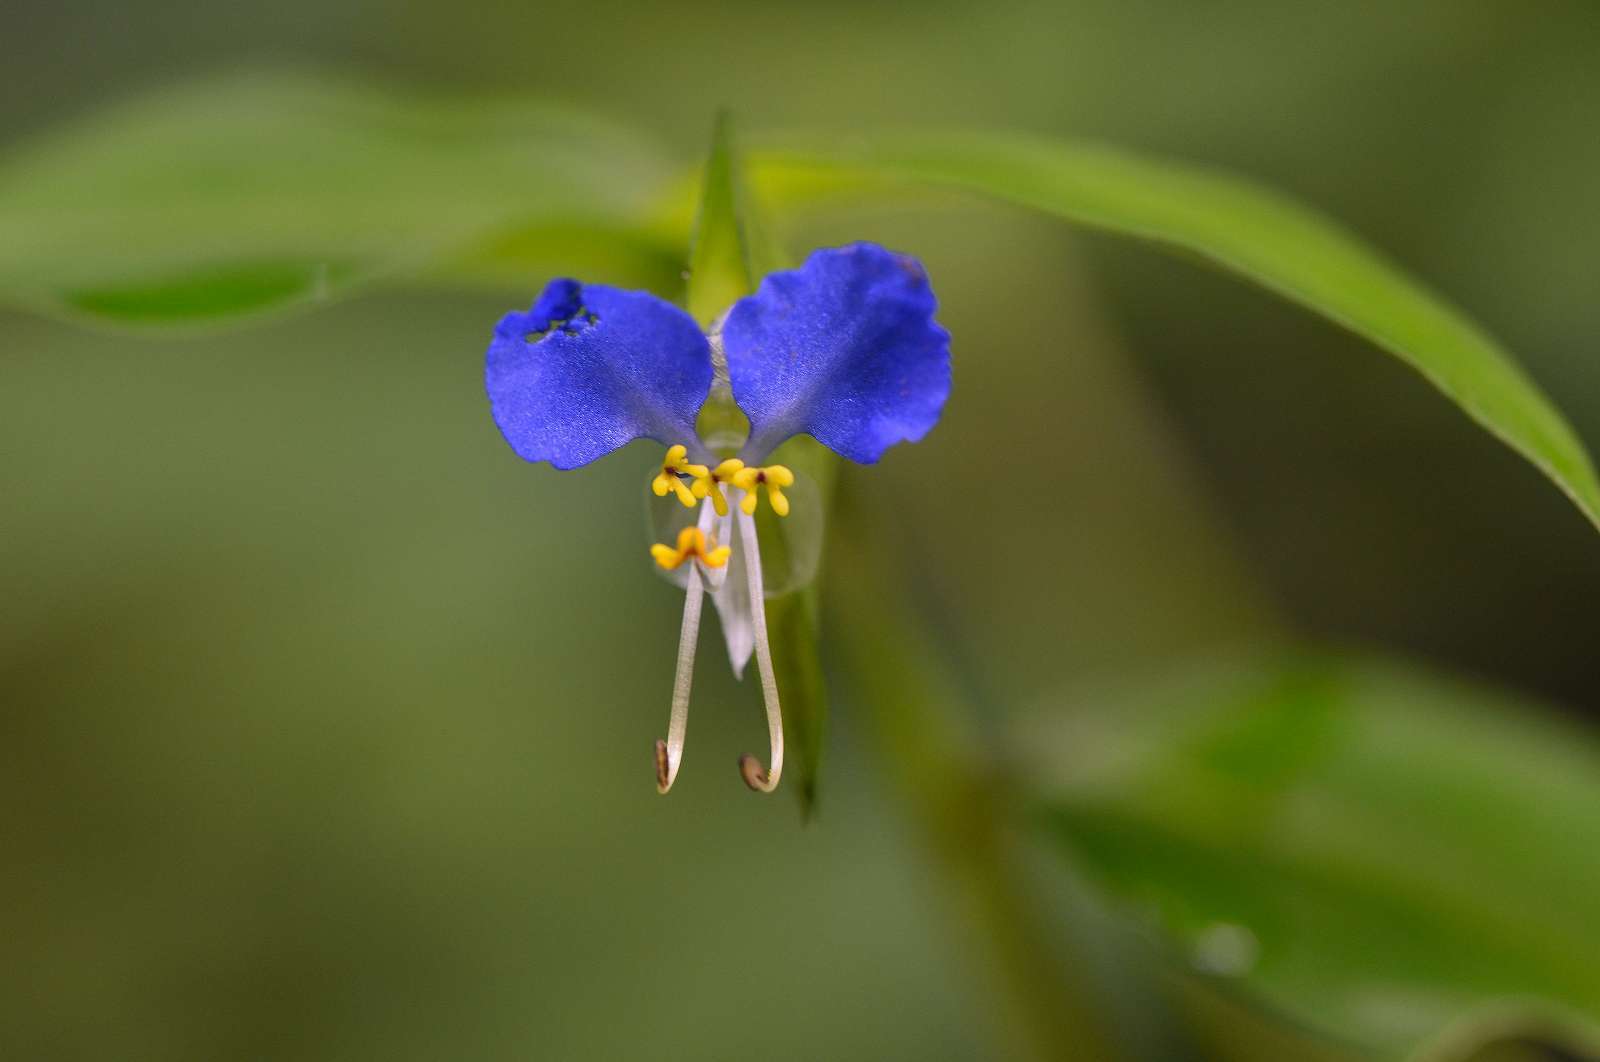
[962, 806]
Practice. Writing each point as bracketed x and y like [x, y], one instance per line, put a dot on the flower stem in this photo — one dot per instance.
[964, 807]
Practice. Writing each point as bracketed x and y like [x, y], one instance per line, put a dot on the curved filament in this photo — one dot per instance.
[761, 779]
[669, 753]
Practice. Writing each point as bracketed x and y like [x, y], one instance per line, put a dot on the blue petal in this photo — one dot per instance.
[591, 368]
[844, 349]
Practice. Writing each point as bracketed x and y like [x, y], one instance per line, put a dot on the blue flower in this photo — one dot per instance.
[591, 368]
[844, 349]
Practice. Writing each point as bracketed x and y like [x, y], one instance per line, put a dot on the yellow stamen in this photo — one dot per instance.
[666, 556]
[691, 543]
[673, 468]
[775, 477]
[712, 485]
[779, 477]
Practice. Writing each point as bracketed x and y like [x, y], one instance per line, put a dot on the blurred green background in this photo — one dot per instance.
[326, 721]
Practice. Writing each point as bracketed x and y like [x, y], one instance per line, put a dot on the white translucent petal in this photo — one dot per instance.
[668, 519]
[718, 531]
[795, 540]
[732, 597]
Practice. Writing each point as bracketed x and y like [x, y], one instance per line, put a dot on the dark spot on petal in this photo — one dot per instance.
[580, 319]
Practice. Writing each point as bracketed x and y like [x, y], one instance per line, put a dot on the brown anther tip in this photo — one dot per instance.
[754, 774]
[661, 767]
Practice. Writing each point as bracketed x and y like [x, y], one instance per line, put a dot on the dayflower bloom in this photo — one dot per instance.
[844, 349]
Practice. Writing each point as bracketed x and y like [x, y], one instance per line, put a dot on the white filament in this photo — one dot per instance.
[669, 753]
[688, 637]
[763, 781]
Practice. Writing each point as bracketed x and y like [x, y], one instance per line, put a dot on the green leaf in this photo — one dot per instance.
[617, 253]
[1393, 858]
[260, 191]
[1255, 232]
[728, 256]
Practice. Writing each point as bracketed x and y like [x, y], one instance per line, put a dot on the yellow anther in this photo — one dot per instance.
[670, 479]
[712, 484]
[691, 543]
[776, 477]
